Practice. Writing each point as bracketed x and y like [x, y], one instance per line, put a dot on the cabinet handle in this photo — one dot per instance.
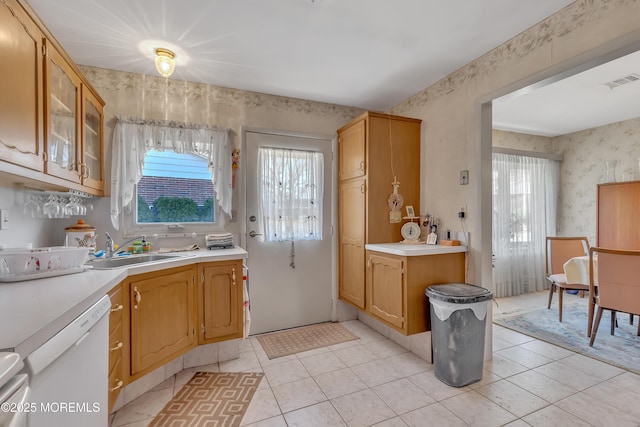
[233, 276]
[202, 278]
[117, 347]
[362, 188]
[369, 262]
[87, 170]
[362, 166]
[117, 308]
[137, 297]
[117, 386]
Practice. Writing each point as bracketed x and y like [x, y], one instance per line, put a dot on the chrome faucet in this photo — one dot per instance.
[110, 248]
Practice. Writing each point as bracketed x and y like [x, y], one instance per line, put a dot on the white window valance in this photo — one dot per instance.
[133, 137]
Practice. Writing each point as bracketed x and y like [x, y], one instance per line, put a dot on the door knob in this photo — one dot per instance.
[254, 234]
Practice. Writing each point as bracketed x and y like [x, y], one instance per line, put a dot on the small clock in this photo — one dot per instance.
[410, 231]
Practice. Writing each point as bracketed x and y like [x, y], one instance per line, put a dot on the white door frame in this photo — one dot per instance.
[334, 198]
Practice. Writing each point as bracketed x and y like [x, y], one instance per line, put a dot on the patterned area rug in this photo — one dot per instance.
[211, 399]
[297, 340]
[621, 349]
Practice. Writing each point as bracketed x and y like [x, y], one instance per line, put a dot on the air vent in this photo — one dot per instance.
[623, 80]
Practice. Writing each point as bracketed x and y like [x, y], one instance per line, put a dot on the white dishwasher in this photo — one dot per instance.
[68, 374]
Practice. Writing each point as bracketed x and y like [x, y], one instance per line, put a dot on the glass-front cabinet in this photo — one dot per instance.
[63, 108]
[91, 164]
[74, 125]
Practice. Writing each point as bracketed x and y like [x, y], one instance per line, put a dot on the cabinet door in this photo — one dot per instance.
[21, 99]
[63, 117]
[618, 205]
[351, 151]
[162, 317]
[385, 277]
[220, 301]
[91, 165]
[352, 240]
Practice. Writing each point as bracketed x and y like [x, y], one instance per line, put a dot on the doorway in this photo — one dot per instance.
[290, 278]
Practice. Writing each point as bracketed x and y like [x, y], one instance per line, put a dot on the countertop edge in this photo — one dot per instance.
[106, 280]
[414, 250]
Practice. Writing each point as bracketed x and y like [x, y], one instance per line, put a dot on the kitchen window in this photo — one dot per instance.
[169, 177]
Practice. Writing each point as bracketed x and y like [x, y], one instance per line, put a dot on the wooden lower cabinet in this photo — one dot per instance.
[116, 345]
[162, 317]
[352, 240]
[396, 287]
[220, 300]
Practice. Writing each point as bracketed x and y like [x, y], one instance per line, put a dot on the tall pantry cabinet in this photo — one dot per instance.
[372, 149]
[618, 204]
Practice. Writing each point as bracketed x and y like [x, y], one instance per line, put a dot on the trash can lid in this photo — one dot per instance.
[458, 293]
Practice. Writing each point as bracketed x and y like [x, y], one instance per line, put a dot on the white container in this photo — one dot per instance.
[80, 235]
[21, 264]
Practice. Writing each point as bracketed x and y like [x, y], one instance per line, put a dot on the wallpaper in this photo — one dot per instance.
[583, 168]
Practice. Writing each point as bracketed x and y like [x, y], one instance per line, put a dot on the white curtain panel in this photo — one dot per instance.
[290, 184]
[525, 194]
[132, 138]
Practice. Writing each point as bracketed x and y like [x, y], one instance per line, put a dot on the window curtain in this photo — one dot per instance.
[525, 193]
[132, 138]
[290, 191]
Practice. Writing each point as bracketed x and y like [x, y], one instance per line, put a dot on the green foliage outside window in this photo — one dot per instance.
[176, 209]
[145, 214]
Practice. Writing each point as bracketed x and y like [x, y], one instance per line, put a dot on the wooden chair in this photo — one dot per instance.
[558, 251]
[615, 273]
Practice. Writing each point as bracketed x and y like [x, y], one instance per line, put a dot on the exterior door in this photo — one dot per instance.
[290, 284]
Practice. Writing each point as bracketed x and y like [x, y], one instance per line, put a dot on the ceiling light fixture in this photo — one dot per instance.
[165, 64]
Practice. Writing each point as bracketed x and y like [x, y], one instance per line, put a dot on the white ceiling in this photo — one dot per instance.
[582, 101]
[371, 54]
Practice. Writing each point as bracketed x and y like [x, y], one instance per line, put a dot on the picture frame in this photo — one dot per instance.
[410, 212]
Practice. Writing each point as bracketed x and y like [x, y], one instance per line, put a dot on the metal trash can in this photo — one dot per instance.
[458, 320]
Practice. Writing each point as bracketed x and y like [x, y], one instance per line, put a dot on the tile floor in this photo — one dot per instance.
[373, 381]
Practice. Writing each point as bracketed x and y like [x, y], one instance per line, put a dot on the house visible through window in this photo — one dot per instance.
[175, 188]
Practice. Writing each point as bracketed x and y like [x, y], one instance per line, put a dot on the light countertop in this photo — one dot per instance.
[403, 249]
[33, 311]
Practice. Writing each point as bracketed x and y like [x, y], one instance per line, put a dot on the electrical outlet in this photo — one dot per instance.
[464, 177]
[4, 219]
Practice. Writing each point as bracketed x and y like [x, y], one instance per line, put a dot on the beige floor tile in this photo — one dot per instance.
[298, 394]
[513, 337]
[265, 361]
[546, 349]
[385, 348]
[524, 357]
[512, 398]
[322, 363]
[319, 415]
[435, 388]
[270, 422]
[626, 401]
[517, 423]
[340, 382]
[362, 408]
[245, 362]
[403, 396]
[552, 416]
[503, 367]
[567, 375]
[262, 407]
[146, 406]
[627, 380]
[592, 367]
[500, 344]
[375, 372]
[488, 377]
[286, 372]
[542, 386]
[356, 355]
[434, 415]
[596, 412]
[476, 410]
[407, 364]
[393, 422]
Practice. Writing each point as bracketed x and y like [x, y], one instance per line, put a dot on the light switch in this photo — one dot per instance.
[464, 177]
[4, 219]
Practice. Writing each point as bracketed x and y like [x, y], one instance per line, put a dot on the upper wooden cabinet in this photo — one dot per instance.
[21, 88]
[618, 205]
[51, 119]
[63, 88]
[373, 149]
[220, 301]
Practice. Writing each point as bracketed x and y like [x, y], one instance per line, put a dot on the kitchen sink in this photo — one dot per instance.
[118, 262]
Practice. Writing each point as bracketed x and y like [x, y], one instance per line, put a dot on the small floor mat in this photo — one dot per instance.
[211, 399]
[297, 340]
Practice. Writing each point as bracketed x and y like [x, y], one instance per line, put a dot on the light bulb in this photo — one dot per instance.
[165, 64]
